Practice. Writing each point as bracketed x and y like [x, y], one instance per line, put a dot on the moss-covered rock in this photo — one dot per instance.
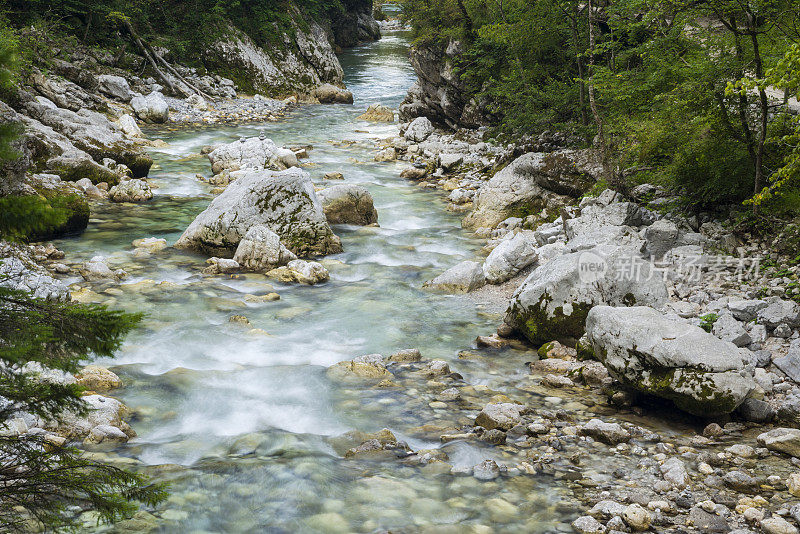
[652, 354]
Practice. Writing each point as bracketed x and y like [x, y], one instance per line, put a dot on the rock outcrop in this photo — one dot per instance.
[284, 201]
[531, 183]
[652, 354]
[439, 93]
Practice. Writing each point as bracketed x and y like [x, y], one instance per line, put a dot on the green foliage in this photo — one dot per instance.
[707, 321]
[659, 71]
[40, 479]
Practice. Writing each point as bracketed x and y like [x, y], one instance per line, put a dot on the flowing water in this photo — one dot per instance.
[240, 420]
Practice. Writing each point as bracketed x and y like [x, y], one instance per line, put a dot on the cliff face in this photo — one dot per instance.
[304, 59]
[439, 93]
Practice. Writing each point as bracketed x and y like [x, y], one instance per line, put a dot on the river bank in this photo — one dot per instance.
[241, 402]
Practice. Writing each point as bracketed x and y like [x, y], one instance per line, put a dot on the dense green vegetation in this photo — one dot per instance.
[674, 92]
[183, 26]
[39, 478]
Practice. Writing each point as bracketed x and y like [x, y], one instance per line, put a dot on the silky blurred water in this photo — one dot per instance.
[200, 386]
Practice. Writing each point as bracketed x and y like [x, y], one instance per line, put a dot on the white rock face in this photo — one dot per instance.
[305, 63]
[419, 130]
[283, 201]
[253, 154]
[151, 108]
[646, 351]
[115, 87]
[261, 249]
[555, 299]
[510, 257]
[462, 278]
[348, 204]
[135, 190]
[530, 183]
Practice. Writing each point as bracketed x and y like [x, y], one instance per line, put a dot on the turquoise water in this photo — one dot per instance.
[244, 418]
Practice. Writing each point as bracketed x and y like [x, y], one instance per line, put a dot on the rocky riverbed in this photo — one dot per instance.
[567, 361]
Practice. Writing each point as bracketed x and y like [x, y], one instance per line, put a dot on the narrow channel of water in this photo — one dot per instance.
[244, 417]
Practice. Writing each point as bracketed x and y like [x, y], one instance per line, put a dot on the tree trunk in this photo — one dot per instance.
[764, 103]
[598, 119]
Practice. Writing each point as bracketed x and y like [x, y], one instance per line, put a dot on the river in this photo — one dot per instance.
[240, 421]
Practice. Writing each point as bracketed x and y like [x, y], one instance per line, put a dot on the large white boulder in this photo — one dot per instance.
[252, 153]
[134, 190]
[419, 130]
[284, 201]
[510, 257]
[348, 204]
[674, 360]
[462, 278]
[151, 108]
[553, 302]
[531, 183]
[261, 249]
[115, 87]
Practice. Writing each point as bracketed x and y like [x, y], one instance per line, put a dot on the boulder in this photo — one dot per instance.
[450, 162]
[300, 271]
[221, 266]
[513, 254]
[251, 153]
[261, 249]
[386, 155]
[785, 440]
[363, 367]
[646, 351]
[531, 183]
[555, 299]
[101, 411]
[779, 312]
[611, 433]
[729, 329]
[96, 378]
[135, 190]
[128, 125]
[504, 415]
[197, 102]
[284, 201]
[348, 204]
[462, 278]
[378, 113]
[330, 94]
[115, 87]
[151, 108]
[419, 130]
[661, 236]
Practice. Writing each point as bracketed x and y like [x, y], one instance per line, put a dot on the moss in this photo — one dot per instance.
[544, 349]
[540, 327]
[95, 173]
[585, 350]
[76, 209]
